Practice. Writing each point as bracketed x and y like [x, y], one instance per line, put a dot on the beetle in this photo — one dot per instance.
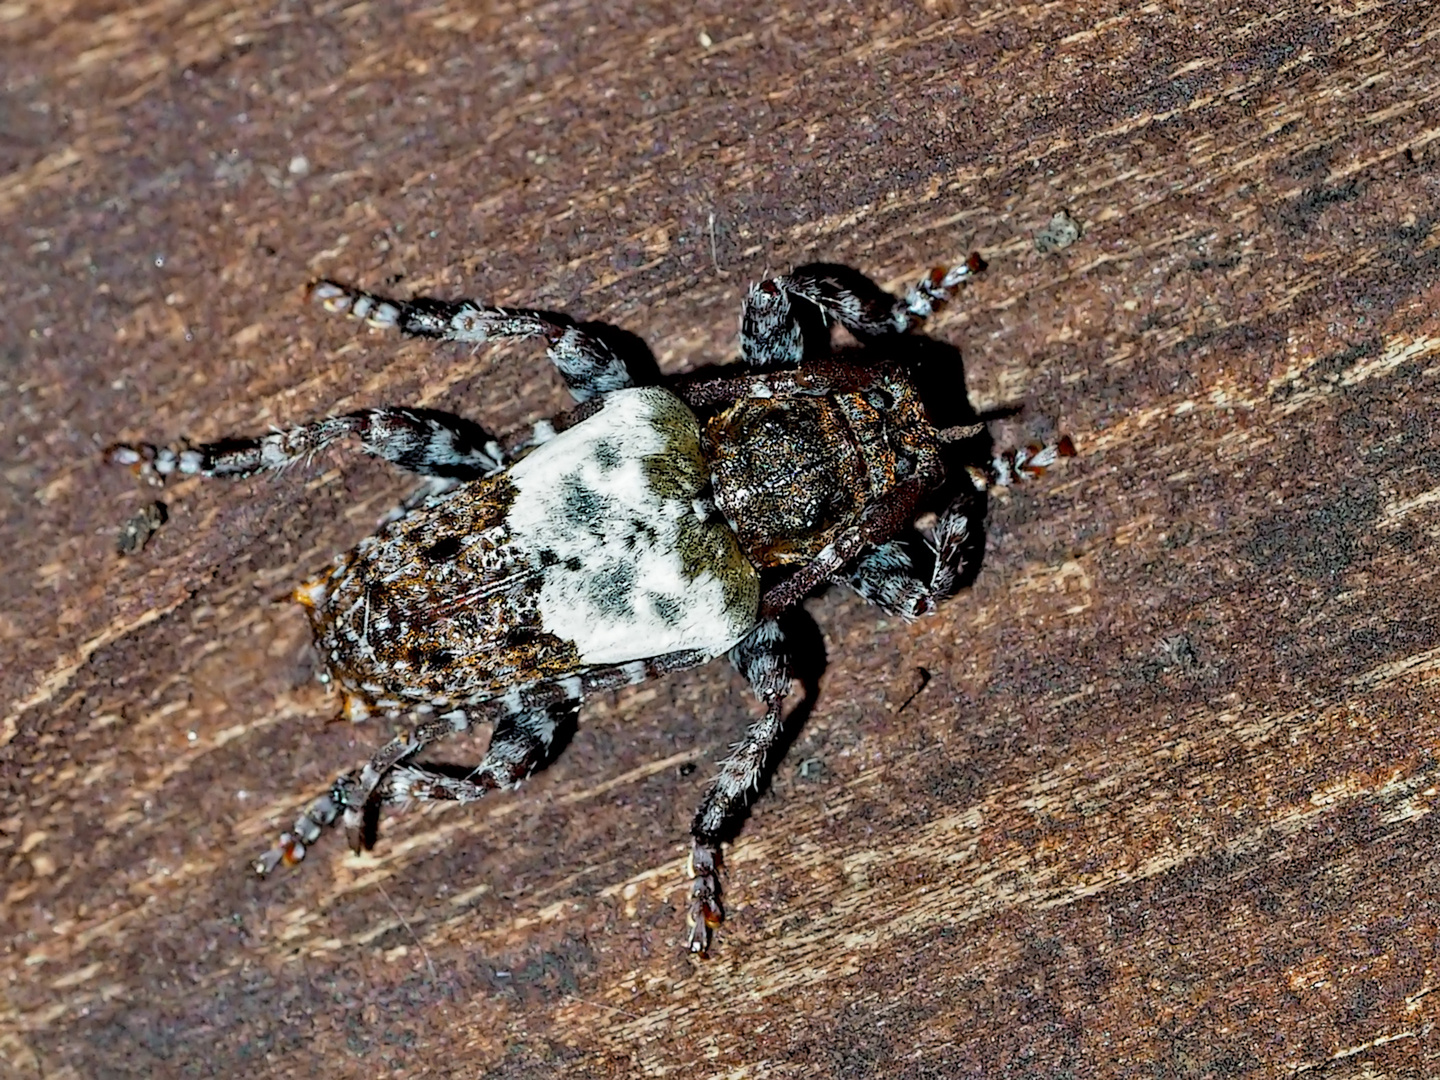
[650, 529]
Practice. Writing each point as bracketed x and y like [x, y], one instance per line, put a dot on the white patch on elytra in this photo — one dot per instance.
[588, 510]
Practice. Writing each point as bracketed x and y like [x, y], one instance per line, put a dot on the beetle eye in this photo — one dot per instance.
[879, 399]
[904, 465]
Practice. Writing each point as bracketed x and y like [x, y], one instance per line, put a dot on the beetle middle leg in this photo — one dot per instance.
[590, 357]
[764, 661]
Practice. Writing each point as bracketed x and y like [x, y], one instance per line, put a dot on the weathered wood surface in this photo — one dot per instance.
[1163, 809]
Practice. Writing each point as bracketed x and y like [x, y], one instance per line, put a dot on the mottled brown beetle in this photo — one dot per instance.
[648, 530]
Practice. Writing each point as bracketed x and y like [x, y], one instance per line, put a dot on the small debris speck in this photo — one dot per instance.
[1059, 234]
[136, 532]
[1178, 651]
[810, 769]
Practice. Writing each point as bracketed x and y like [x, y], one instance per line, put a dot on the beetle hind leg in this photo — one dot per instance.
[425, 441]
[520, 744]
[291, 846]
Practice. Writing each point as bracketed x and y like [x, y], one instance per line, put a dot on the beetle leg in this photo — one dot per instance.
[887, 577]
[774, 331]
[590, 357]
[882, 521]
[761, 657]
[425, 441]
[1017, 466]
[520, 744]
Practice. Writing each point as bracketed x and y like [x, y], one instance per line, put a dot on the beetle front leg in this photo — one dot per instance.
[887, 577]
[1025, 463]
[885, 519]
[775, 331]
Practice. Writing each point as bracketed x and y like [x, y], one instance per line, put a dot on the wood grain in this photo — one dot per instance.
[1164, 807]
